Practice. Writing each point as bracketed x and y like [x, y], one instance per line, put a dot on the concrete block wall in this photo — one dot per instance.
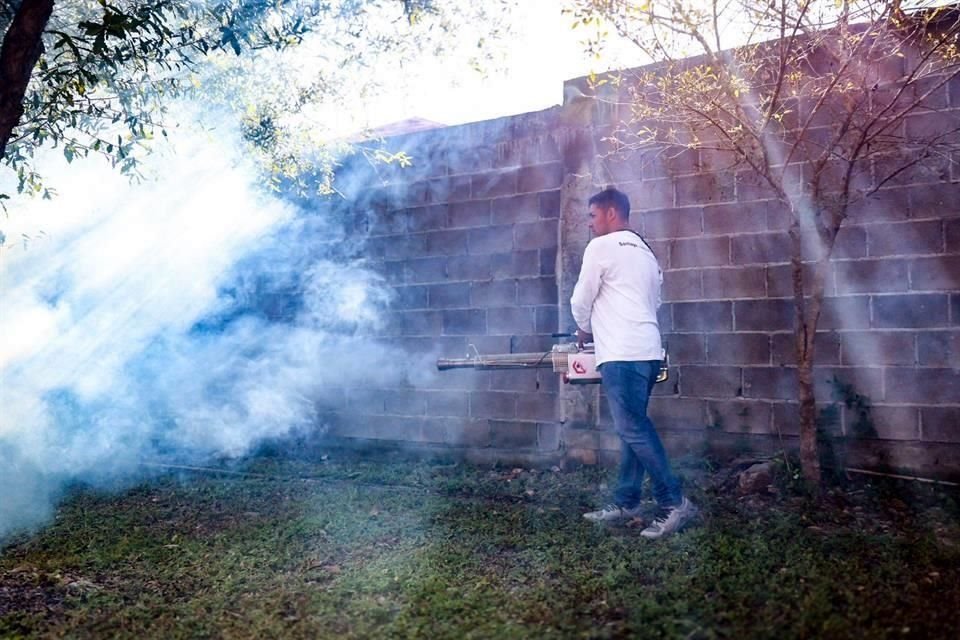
[467, 237]
[889, 330]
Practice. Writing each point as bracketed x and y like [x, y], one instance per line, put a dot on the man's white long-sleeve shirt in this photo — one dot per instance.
[617, 296]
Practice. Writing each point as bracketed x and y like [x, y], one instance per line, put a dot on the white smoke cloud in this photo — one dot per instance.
[122, 325]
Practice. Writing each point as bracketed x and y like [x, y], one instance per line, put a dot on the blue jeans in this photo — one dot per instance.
[628, 386]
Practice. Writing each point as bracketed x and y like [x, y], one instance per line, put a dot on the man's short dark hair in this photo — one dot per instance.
[615, 198]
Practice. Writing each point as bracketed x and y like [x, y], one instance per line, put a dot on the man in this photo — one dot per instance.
[615, 304]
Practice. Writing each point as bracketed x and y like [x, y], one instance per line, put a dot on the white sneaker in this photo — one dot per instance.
[672, 520]
[612, 513]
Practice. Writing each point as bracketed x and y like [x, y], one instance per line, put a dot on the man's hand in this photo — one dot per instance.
[583, 337]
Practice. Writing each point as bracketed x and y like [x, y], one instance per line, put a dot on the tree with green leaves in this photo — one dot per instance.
[814, 99]
[97, 77]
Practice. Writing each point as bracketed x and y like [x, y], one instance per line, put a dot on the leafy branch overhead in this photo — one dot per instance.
[109, 73]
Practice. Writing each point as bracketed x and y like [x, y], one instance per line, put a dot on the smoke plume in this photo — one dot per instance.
[188, 316]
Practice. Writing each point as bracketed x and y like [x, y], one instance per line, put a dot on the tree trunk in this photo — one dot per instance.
[22, 46]
[807, 313]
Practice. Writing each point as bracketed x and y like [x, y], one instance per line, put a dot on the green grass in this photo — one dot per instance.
[357, 550]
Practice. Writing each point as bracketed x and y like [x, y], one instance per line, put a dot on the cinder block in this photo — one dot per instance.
[510, 321]
[510, 434]
[771, 383]
[939, 349]
[686, 348]
[516, 264]
[494, 184]
[574, 457]
[664, 318]
[427, 218]
[756, 248]
[673, 223]
[684, 284]
[738, 348]
[735, 282]
[934, 386]
[699, 252]
[403, 402]
[650, 194]
[470, 159]
[493, 404]
[886, 204]
[845, 313]
[548, 262]
[710, 381]
[763, 315]
[433, 430]
[547, 149]
[493, 293]
[537, 406]
[677, 413]
[740, 217]
[750, 186]
[702, 316]
[446, 403]
[590, 439]
[780, 281]
[426, 270]
[519, 380]
[705, 188]
[445, 243]
[384, 222]
[458, 188]
[547, 319]
[449, 296]
[866, 381]
[878, 348]
[468, 433]
[909, 311]
[548, 436]
[740, 416]
[549, 204]
[519, 152]
[871, 276]
[469, 214]
[786, 419]
[905, 238]
[491, 239]
[517, 208]
[952, 233]
[464, 322]
[851, 242]
[537, 291]
[531, 343]
[826, 348]
[543, 177]
[469, 267]
[887, 422]
[421, 323]
[940, 424]
[536, 235]
[404, 247]
[935, 274]
[410, 297]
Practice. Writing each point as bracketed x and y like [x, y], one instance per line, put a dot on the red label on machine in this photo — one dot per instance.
[581, 367]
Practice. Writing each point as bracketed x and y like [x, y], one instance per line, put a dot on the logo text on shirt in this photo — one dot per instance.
[629, 244]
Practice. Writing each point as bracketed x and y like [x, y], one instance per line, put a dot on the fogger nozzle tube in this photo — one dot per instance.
[577, 365]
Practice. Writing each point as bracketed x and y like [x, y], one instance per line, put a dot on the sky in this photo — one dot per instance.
[541, 52]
